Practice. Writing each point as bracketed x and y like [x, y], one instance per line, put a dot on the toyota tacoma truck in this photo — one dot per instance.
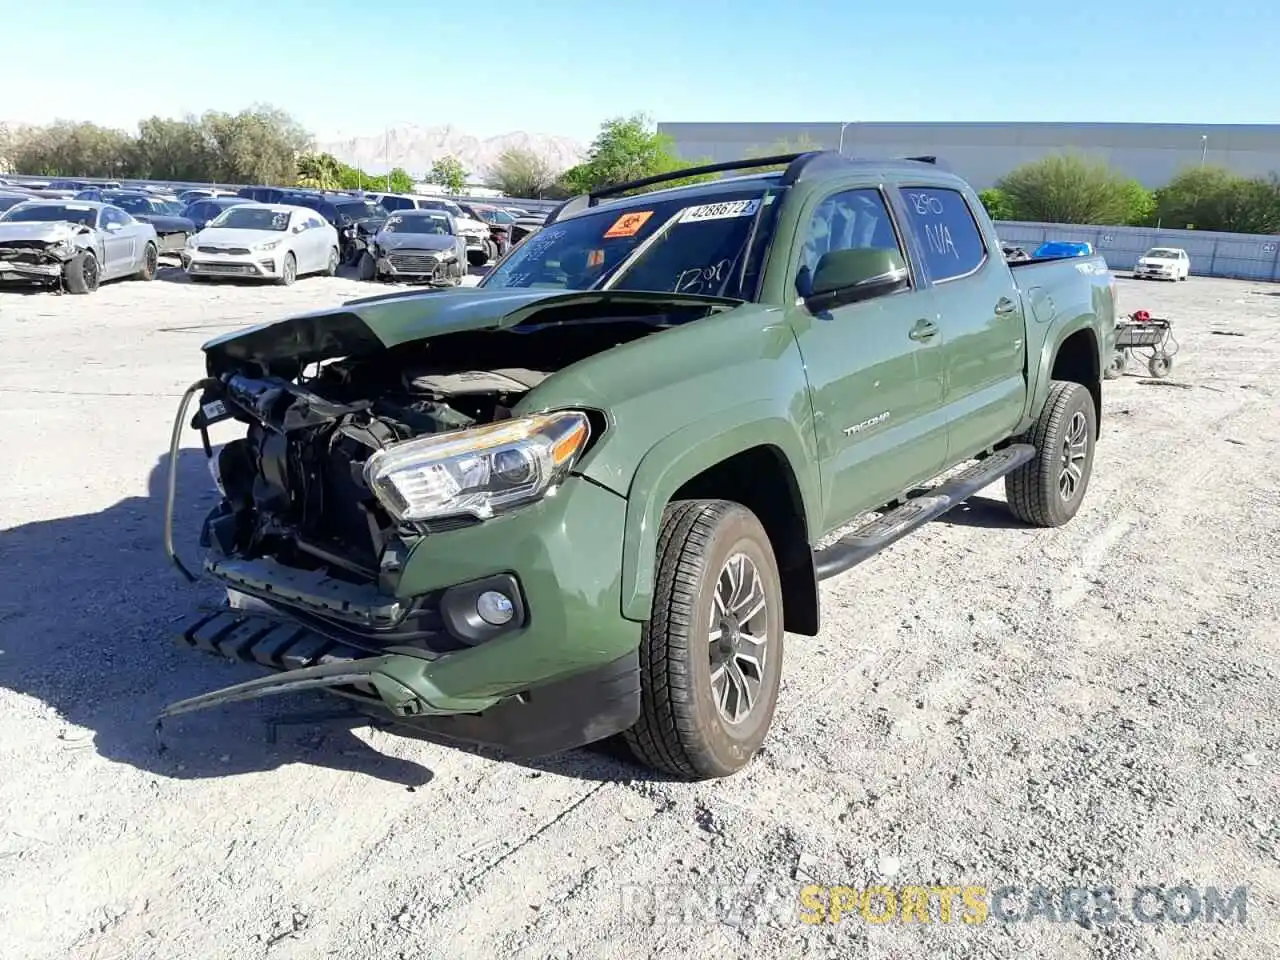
[589, 496]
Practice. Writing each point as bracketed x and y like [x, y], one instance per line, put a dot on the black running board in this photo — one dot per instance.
[870, 538]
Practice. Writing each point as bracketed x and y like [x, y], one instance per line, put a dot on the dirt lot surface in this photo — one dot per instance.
[987, 705]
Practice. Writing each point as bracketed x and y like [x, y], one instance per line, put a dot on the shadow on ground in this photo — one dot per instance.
[980, 511]
[89, 609]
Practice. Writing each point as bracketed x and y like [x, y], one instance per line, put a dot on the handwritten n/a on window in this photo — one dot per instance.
[937, 233]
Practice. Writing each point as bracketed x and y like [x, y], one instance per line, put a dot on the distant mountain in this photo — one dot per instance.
[415, 148]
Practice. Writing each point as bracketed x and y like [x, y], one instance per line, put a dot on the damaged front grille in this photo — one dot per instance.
[29, 252]
[409, 261]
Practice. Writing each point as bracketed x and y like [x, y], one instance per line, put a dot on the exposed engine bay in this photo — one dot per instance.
[38, 258]
[293, 486]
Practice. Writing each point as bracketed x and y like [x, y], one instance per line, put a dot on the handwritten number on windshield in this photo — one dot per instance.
[698, 279]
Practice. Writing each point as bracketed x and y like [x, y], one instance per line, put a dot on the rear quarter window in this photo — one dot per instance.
[949, 236]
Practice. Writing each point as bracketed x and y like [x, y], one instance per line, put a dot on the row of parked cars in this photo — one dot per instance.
[75, 234]
[1158, 263]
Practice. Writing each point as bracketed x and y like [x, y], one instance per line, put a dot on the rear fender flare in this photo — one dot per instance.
[684, 454]
[1049, 355]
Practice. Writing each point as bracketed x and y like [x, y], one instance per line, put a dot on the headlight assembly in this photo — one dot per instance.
[478, 471]
[268, 245]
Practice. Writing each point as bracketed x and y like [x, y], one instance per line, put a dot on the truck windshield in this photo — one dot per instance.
[682, 245]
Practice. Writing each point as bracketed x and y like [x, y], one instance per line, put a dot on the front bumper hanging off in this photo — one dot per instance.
[547, 719]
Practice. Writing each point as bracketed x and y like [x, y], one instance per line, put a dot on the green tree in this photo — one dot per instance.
[781, 147]
[168, 149]
[1140, 204]
[320, 171]
[449, 173]
[521, 173]
[1214, 198]
[67, 149]
[1068, 188]
[626, 148]
[997, 204]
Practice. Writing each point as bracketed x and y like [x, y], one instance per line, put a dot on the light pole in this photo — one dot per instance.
[843, 127]
[1204, 148]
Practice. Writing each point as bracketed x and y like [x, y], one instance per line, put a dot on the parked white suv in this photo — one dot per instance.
[1163, 263]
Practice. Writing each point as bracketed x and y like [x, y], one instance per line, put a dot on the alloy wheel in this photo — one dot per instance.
[1075, 448]
[738, 638]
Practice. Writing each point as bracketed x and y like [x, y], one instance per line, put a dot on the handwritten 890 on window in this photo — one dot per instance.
[975, 905]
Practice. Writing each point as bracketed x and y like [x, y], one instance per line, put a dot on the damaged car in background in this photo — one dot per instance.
[74, 246]
[417, 246]
[172, 230]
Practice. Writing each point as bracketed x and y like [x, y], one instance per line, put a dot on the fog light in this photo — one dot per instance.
[495, 608]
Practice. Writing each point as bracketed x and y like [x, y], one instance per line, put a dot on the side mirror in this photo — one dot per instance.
[850, 276]
[113, 227]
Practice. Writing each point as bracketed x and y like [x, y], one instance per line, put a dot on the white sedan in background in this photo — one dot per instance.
[1163, 263]
[263, 241]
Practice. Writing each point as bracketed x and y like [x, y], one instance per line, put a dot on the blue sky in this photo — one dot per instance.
[563, 66]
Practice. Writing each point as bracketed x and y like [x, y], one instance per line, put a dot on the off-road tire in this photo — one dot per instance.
[335, 257]
[288, 276]
[680, 730]
[82, 273]
[1033, 489]
[150, 263]
[368, 267]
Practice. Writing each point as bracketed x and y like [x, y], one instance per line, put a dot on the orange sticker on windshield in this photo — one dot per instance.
[628, 225]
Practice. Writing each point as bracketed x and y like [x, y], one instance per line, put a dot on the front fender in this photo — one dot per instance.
[684, 454]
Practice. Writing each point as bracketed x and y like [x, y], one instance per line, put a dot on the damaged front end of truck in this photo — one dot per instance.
[381, 441]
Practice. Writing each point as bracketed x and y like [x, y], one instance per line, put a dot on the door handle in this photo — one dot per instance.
[1006, 305]
[923, 330]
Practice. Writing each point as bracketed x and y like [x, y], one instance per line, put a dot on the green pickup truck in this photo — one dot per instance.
[590, 495]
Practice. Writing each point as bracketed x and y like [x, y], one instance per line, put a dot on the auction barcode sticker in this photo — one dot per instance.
[721, 211]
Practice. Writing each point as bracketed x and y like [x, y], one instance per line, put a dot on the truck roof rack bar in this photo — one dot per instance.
[797, 165]
[584, 200]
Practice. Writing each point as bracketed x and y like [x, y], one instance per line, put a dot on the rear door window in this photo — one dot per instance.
[949, 236]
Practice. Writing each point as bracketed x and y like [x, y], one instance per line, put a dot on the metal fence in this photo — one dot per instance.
[1239, 256]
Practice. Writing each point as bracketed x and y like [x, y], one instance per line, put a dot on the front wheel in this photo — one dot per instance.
[289, 271]
[1047, 490]
[82, 274]
[711, 653]
[368, 267]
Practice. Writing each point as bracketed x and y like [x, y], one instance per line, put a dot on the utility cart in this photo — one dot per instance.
[1152, 337]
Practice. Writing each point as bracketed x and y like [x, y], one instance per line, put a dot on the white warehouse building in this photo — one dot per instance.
[1153, 153]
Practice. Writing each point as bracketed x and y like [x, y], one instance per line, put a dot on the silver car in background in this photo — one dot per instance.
[74, 245]
[417, 246]
[263, 241]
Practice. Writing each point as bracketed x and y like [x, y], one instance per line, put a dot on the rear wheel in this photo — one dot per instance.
[1048, 489]
[82, 274]
[332, 269]
[289, 271]
[711, 653]
[150, 263]
[1160, 365]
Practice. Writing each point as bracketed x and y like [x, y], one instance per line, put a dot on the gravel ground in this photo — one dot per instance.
[986, 705]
